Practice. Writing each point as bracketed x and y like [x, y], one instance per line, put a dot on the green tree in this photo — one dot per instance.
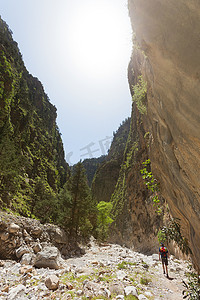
[103, 220]
[82, 204]
[64, 206]
[43, 201]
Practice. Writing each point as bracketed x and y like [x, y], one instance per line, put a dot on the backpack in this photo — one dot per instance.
[163, 252]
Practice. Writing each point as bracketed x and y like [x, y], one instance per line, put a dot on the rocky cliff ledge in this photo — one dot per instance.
[167, 36]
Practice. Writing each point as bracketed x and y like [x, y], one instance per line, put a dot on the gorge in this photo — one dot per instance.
[33, 169]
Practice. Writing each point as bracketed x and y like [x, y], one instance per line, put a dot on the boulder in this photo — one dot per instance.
[131, 290]
[17, 292]
[121, 275]
[47, 258]
[21, 251]
[117, 288]
[155, 257]
[4, 236]
[26, 269]
[36, 231]
[37, 248]
[57, 235]
[52, 282]
[26, 259]
[13, 228]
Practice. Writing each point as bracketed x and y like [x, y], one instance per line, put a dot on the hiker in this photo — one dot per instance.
[163, 253]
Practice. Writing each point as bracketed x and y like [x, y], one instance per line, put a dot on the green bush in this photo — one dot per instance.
[172, 232]
[192, 287]
[139, 94]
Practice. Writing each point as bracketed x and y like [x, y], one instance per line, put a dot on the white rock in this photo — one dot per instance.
[15, 268]
[13, 228]
[108, 293]
[142, 297]
[148, 294]
[130, 290]
[17, 292]
[21, 250]
[48, 257]
[26, 259]
[79, 293]
[120, 275]
[155, 257]
[120, 297]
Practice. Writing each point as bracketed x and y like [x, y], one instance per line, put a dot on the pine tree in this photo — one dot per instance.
[82, 204]
[64, 206]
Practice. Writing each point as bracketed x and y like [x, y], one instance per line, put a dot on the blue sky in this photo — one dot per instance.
[79, 50]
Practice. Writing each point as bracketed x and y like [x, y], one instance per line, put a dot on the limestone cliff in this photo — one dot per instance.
[168, 55]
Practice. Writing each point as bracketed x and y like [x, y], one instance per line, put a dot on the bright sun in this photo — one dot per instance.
[98, 37]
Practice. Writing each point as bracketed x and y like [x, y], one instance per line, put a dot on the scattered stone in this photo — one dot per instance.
[120, 275]
[116, 288]
[142, 297]
[13, 228]
[37, 248]
[22, 250]
[69, 286]
[37, 231]
[17, 293]
[79, 293]
[120, 297]
[130, 290]
[52, 282]
[1, 264]
[5, 290]
[26, 269]
[4, 236]
[155, 257]
[47, 258]
[148, 294]
[26, 259]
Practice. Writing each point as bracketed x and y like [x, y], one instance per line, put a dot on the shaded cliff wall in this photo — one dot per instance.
[167, 35]
[135, 221]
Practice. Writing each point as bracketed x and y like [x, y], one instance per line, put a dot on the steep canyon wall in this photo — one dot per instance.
[167, 37]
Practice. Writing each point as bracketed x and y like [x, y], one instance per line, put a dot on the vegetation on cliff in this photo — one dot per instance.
[91, 165]
[32, 164]
[107, 174]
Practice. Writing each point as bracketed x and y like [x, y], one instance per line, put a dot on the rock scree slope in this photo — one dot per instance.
[107, 271]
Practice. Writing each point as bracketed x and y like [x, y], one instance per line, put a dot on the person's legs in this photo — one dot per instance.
[166, 264]
[163, 265]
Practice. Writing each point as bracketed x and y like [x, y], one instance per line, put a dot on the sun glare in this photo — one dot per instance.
[97, 38]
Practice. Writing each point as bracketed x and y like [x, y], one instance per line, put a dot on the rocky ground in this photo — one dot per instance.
[103, 272]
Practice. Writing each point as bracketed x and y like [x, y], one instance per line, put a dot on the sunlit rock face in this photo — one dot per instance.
[167, 36]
